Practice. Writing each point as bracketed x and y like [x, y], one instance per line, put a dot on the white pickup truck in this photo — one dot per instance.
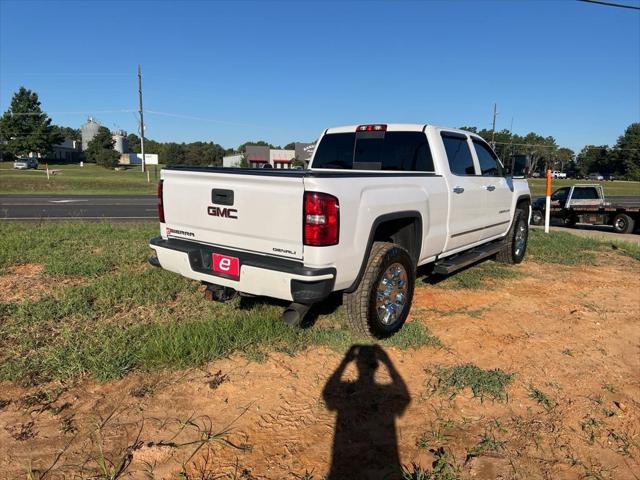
[376, 202]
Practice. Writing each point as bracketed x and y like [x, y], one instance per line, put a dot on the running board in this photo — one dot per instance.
[456, 262]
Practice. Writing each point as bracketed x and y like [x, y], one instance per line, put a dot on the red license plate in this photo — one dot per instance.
[226, 265]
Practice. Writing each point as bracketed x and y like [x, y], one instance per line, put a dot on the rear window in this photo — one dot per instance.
[585, 193]
[458, 154]
[400, 151]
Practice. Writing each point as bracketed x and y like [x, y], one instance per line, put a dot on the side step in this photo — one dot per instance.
[451, 264]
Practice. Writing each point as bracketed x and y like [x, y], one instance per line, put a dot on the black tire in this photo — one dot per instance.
[514, 251]
[537, 217]
[362, 312]
[623, 223]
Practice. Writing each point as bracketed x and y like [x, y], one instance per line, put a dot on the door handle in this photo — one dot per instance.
[491, 188]
[458, 190]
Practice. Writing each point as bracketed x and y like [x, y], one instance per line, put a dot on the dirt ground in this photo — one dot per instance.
[572, 334]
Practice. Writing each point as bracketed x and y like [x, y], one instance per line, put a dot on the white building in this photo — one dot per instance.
[232, 161]
[281, 158]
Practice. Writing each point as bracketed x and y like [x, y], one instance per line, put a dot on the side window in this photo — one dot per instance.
[489, 163]
[585, 193]
[458, 154]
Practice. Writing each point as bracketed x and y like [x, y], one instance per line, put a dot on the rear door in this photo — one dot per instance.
[259, 212]
[466, 213]
[497, 192]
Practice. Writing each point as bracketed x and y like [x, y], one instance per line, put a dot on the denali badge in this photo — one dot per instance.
[223, 212]
[173, 231]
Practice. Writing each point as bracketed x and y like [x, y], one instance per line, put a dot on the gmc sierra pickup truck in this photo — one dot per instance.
[376, 202]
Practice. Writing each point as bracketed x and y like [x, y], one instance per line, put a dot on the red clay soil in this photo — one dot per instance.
[572, 334]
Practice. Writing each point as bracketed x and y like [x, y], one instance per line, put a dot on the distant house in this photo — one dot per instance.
[257, 156]
[281, 158]
[67, 151]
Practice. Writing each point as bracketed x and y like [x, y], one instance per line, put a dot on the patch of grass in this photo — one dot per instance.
[562, 248]
[618, 187]
[75, 248]
[477, 276]
[483, 383]
[73, 179]
[628, 249]
[487, 443]
[130, 316]
[542, 398]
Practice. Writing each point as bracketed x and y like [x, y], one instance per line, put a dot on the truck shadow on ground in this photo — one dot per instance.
[365, 443]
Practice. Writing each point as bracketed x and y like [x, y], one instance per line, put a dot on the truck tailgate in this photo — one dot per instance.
[252, 212]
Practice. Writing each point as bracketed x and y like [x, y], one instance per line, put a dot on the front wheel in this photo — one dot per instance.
[379, 306]
[516, 240]
[537, 217]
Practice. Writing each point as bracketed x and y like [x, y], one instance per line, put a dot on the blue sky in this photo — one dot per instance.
[231, 72]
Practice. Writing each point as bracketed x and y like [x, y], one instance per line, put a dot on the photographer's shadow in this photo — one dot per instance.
[365, 443]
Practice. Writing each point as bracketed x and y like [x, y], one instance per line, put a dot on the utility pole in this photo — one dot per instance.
[493, 129]
[141, 117]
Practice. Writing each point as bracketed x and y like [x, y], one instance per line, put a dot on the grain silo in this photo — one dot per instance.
[121, 142]
[88, 131]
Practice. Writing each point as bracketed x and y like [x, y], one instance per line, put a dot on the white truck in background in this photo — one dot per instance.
[376, 202]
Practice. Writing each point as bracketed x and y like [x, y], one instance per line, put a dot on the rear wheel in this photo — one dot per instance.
[623, 223]
[516, 241]
[379, 306]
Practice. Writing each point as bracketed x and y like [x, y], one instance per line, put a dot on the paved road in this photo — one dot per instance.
[599, 232]
[93, 207]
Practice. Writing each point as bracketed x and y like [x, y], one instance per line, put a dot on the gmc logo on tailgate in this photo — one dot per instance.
[223, 212]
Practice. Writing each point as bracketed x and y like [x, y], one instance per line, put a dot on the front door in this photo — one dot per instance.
[498, 192]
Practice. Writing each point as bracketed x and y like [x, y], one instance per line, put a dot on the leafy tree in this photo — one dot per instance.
[290, 146]
[259, 143]
[244, 163]
[564, 157]
[100, 149]
[25, 127]
[134, 143]
[68, 132]
[626, 153]
[595, 159]
[173, 153]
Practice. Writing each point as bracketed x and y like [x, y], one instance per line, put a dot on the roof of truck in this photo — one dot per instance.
[395, 127]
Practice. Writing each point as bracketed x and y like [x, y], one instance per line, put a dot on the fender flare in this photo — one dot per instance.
[412, 214]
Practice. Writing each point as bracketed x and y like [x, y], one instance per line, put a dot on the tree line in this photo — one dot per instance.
[621, 160]
[26, 128]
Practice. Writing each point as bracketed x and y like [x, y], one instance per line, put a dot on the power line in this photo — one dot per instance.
[610, 4]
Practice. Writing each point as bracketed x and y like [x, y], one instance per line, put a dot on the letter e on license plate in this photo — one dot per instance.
[226, 265]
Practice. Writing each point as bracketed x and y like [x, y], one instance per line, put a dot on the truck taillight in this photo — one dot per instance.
[321, 219]
[160, 204]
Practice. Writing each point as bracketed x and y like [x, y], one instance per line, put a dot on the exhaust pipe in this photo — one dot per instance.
[294, 313]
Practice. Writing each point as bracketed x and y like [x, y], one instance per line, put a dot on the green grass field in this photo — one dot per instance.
[615, 188]
[73, 179]
[91, 179]
[98, 308]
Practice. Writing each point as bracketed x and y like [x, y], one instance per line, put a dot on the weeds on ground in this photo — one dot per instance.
[483, 383]
[487, 443]
[476, 276]
[442, 468]
[542, 398]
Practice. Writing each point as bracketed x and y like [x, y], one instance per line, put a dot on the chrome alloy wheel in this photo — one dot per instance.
[620, 224]
[520, 239]
[391, 295]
